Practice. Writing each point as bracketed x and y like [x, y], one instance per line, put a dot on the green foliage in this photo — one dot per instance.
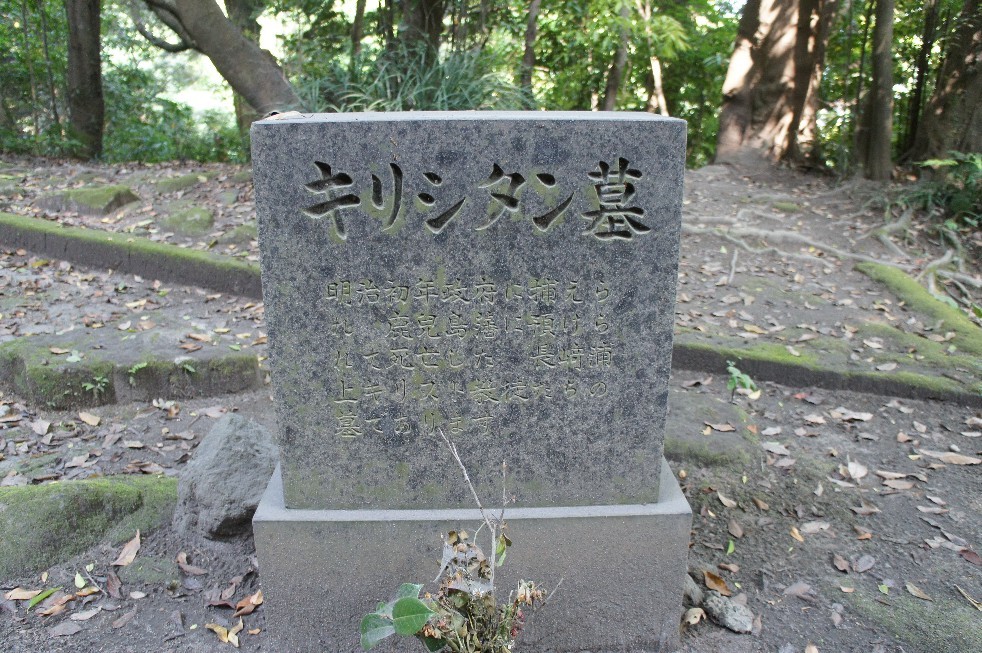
[463, 616]
[954, 194]
[738, 380]
[407, 79]
[97, 385]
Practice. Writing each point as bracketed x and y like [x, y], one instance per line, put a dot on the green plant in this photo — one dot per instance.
[97, 385]
[464, 615]
[954, 193]
[738, 380]
[133, 371]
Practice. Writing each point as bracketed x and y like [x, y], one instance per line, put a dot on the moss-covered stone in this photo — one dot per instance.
[180, 182]
[243, 234]
[242, 176]
[190, 220]
[968, 337]
[90, 200]
[942, 626]
[127, 253]
[43, 525]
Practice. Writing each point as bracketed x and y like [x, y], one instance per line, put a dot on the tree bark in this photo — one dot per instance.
[656, 95]
[244, 15]
[770, 95]
[528, 58]
[86, 107]
[917, 97]
[878, 165]
[422, 24]
[617, 66]
[357, 31]
[953, 117]
[250, 71]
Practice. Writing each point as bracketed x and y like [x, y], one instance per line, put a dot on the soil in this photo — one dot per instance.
[810, 498]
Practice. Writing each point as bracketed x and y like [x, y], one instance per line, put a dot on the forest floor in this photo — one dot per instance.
[845, 521]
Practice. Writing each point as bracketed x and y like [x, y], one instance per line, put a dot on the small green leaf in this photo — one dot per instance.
[235, 347]
[89, 567]
[730, 547]
[409, 590]
[883, 588]
[374, 628]
[40, 597]
[409, 615]
[74, 357]
[79, 581]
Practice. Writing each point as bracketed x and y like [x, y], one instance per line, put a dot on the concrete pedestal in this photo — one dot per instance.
[621, 569]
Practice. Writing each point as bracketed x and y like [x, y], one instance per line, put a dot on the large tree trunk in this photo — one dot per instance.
[953, 117]
[770, 92]
[528, 59]
[422, 24]
[878, 162]
[656, 92]
[617, 66]
[244, 15]
[917, 97]
[86, 108]
[250, 71]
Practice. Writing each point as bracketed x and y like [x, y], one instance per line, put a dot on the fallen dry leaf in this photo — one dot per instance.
[729, 566]
[865, 510]
[128, 554]
[715, 582]
[812, 527]
[89, 418]
[814, 419]
[918, 592]
[722, 428]
[761, 504]
[840, 563]
[951, 458]
[800, 589]
[65, 629]
[811, 648]
[856, 470]
[847, 590]
[125, 619]
[694, 616]
[796, 534]
[775, 448]
[850, 415]
[735, 529]
[971, 556]
[864, 564]
[85, 615]
[898, 484]
[21, 594]
[227, 635]
[726, 501]
[190, 570]
[247, 605]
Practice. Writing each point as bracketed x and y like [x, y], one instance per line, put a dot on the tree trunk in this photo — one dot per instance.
[24, 27]
[953, 118]
[618, 64]
[53, 97]
[422, 24]
[770, 95]
[917, 98]
[878, 165]
[737, 111]
[528, 59]
[656, 92]
[250, 71]
[243, 14]
[859, 122]
[86, 108]
[357, 32]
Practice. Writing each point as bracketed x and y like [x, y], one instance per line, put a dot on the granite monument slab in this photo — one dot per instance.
[508, 278]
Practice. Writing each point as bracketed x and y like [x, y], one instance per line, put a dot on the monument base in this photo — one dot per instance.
[621, 569]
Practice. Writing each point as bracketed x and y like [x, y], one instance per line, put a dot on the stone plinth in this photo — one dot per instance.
[621, 568]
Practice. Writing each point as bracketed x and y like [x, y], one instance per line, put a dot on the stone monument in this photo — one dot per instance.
[507, 279]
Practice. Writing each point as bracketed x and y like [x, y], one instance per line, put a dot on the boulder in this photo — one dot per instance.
[88, 200]
[727, 613]
[220, 488]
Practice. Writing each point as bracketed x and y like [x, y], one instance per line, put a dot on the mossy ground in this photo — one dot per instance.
[190, 220]
[45, 524]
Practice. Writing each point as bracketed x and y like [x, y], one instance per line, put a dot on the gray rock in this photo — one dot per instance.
[728, 614]
[693, 593]
[88, 200]
[225, 479]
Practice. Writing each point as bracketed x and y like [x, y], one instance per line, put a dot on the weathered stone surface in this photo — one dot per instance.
[727, 613]
[506, 277]
[621, 568]
[222, 484]
[693, 593]
[185, 218]
[90, 200]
